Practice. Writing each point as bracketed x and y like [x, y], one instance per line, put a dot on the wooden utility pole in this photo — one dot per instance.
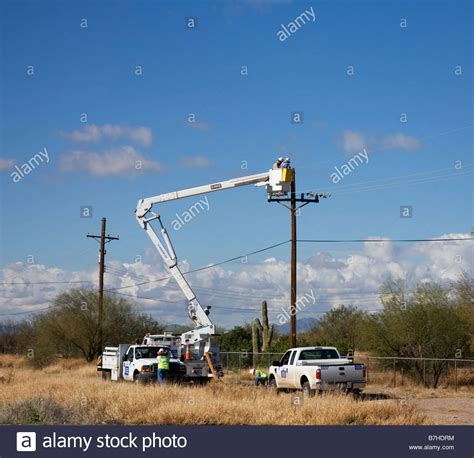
[314, 198]
[103, 239]
[293, 265]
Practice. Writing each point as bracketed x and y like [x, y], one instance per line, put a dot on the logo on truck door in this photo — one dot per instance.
[283, 373]
[126, 369]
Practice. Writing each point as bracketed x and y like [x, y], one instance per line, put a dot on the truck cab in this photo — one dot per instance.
[137, 363]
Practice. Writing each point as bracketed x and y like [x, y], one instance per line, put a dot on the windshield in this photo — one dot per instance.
[318, 353]
[152, 352]
[146, 352]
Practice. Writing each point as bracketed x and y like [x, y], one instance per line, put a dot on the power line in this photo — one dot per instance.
[210, 266]
[155, 280]
[46, 282]
[384, 240]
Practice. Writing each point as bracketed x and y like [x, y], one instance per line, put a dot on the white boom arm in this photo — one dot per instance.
[276, 181]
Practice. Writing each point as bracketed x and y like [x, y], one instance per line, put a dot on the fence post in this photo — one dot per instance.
[455, 376]
[394, 374]
[238, 369]
[367, 372]
[424, 372]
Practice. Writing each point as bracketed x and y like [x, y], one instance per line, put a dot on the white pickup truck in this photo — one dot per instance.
[316, 369]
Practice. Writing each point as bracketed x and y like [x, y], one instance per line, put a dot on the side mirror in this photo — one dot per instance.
[276, 363]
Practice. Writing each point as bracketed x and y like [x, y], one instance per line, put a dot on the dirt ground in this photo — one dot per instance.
[441, 407]
[447, 410]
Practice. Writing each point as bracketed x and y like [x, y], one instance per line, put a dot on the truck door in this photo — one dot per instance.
[292, 372]
[127, 365]
[282, 371]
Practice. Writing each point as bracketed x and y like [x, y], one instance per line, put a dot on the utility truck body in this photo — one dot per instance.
[139, 362]
[317, 369]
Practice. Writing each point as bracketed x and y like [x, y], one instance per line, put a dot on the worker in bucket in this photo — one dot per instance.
[163, 365]
[261, 378]
[278, 162]
[286, 164]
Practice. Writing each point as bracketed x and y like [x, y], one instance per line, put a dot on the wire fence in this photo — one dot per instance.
[381, 370]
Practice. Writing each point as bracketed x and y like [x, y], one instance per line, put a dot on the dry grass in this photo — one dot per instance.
[72, 392]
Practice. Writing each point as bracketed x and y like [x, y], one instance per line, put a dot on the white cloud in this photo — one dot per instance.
[333, 279]
[92, 133]
[195, 162]
[400, 141]
[352, 142]
[6, 164]
[355, 142]
[125, 161]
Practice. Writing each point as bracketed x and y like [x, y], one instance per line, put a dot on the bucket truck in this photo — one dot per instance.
[193, 347]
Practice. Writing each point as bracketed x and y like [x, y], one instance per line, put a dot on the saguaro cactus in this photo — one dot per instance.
[262, 332]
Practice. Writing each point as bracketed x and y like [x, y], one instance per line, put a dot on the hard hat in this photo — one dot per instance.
[161, 350]
[280, 159]
[287, 159]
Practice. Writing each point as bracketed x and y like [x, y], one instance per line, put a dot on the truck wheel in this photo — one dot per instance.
[272, 384]
[136, 378]
[106, 375]
[307, 391]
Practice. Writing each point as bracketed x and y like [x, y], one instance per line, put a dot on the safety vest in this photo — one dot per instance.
[163, 362]
[261, 374]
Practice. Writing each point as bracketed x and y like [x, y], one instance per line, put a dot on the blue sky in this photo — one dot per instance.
[90, 70]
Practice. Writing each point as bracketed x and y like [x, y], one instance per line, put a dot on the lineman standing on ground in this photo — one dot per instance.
[261, 378]
[163, 365]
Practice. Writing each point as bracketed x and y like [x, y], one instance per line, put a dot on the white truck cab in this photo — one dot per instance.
[316, 369]
[136, 363]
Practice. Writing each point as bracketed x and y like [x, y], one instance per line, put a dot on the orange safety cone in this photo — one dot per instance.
[187, 357]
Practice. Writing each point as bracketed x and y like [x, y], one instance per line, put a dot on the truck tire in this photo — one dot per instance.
[272, 384]
[106, 375]
[307, 391]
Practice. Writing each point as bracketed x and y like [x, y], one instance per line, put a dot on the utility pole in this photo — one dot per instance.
[103, 239]
[293, 199]
[293, 264]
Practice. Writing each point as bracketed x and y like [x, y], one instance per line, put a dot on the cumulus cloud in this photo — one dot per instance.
[400, 141]
[352, 142]
[122, 161]
[195, 162]
[236, 291]
[92, 133]
[6, 164]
